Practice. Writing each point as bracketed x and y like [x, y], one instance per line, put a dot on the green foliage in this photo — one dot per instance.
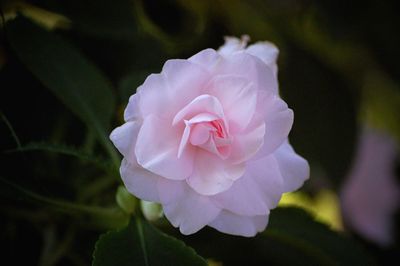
[292, 237]
[141, 244]
[68, 74]
[92, 216]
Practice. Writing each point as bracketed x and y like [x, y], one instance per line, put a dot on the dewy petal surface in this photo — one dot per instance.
[157, 149]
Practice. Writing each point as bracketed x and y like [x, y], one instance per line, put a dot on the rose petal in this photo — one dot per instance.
[238, 97]
[212, 175]
[294, 169]
[179, 82]
[184, 208]
[278, 122]
[207, 59]
[247, 143]
[139, 181]
[267, 52]
[202, 104]
[157, 149]
[132, 110]
[230, 223]
[249, 67]
[256, 192]
[124, 139]
[233, 44]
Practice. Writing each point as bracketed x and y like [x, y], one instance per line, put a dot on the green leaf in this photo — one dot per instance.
[292, 237]
[142, 244]
[298, 227]
[68, 74]
[94, 216]
[63, 150]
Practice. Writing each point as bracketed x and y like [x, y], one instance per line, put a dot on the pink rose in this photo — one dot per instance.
[370, 196]
[207, 139]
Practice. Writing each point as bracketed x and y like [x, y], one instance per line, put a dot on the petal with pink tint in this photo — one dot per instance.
[251, 68]
[267, 52]
[248, 142]
[157, 149]
[237, 95]
[294, 168]
[132, 110]
[212, 175]
[233, 44]
[202, 104]
[278, 122]
[256, 192]
[139, 181]
[230, 223]
[207, 59]
[185, 208]
[124, 138]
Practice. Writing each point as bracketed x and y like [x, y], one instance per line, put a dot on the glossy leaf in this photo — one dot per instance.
[141, 244]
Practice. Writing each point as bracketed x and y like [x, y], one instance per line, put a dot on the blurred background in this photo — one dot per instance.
[67, 69]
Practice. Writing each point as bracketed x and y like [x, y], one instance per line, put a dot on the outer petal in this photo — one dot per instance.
[207, 59]
[233, 44]
[157, 149]
[124, 138]
[294, 168]
[179, 83]
[267, 52]
[278, 122]
[233, 224]
[256, 192]
[238, 97]
[184, 208]
[132, 110]
[249, 67]
[212, 175]
[139, 181]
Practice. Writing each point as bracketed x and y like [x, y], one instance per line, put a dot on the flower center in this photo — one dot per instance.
[205, 126]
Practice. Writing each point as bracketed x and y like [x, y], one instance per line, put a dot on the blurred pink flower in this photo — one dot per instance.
[370, 195]
[207, 138]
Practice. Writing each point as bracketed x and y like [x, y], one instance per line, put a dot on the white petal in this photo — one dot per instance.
[267, 52]
[256, 192]
[124, 138]
[234, 224]
[185, 208]
[294, 168]
[249, 67]
[157, 149]
[212, 175]
[278, 122]
[139, 181]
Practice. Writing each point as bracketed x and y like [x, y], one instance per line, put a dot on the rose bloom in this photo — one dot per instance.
[207, 139]
[370, 195]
